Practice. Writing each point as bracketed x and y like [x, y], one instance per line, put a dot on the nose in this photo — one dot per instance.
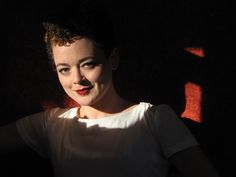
[77, 76]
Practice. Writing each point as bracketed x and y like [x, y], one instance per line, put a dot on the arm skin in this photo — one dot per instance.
[192, 162]
[10, 140]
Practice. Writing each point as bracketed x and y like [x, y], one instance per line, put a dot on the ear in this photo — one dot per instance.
[114, 58]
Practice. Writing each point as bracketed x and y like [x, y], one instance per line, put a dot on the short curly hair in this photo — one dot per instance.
[81, 20]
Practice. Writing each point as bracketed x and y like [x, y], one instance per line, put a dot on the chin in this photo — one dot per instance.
[84, 101]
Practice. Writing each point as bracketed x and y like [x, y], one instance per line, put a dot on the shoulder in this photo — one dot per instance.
[57, 112]
[157, 110]
[156, 106]
[48, 115]
[165, 110]
[158, 116]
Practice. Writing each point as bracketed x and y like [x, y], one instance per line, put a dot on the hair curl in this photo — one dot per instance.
[82, 20]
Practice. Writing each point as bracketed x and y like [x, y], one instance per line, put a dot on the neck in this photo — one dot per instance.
[111, 105]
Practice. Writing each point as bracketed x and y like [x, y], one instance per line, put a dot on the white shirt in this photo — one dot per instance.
[128, 144]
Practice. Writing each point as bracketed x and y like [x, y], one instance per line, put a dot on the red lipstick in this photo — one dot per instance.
[84, 91]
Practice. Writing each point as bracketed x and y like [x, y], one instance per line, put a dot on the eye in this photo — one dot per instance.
[89, 65]
[64, 71]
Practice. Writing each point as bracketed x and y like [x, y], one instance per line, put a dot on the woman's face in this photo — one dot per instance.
[83, 71]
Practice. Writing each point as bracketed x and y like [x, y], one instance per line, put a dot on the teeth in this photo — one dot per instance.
[85, 88]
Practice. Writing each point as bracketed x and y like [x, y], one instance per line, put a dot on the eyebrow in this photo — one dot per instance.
[80, 61]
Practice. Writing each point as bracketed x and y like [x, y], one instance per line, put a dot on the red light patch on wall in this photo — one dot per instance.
[198, 51]
[193, 92]
[47, 104]
[69, 103]
[193, 105]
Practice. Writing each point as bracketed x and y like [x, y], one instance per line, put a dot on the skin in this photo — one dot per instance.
[82, 64]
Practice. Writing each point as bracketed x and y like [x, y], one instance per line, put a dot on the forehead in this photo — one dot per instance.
[82, 46]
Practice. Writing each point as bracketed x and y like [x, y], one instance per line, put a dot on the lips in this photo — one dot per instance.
[84, 91]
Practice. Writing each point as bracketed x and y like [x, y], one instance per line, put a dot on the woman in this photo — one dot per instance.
[105, 135]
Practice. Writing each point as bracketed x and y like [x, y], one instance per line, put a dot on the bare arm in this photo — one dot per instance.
[10, 141]
[192, 162]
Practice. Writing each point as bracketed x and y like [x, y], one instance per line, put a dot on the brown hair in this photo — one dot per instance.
[83, 19]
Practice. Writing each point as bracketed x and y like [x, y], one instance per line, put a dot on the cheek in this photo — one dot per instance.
[64, 82]
[99, 75]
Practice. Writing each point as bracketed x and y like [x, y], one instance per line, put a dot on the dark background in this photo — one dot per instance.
[154, 67]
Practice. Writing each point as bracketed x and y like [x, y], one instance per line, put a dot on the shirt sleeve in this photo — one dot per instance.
[170, 131]
[33, 130]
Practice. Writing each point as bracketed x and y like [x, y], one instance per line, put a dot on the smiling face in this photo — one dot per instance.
[84, 72]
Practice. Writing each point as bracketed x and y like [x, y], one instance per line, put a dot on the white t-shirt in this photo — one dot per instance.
[135, 143]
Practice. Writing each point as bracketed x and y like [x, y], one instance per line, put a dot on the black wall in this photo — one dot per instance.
[151, 35]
